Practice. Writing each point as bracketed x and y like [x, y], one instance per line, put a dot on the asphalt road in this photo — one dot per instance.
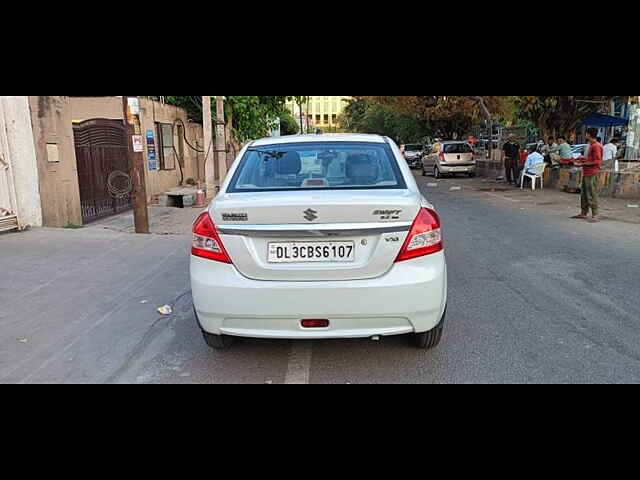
[533, 297]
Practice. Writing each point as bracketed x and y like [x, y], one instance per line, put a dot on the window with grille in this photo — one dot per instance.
[165, 146]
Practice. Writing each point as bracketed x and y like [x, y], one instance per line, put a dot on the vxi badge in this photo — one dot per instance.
[388, 214]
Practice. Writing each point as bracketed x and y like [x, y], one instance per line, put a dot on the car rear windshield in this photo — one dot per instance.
[457, 148]
[413, 148]
[314, 166]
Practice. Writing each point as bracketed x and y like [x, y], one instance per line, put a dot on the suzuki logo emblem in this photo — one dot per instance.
[310, 214]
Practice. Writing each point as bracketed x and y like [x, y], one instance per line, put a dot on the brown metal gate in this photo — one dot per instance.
[103, 168]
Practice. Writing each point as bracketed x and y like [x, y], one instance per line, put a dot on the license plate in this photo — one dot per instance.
[303, 252]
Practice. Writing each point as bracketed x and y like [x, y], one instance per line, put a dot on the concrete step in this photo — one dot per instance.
[9, 222]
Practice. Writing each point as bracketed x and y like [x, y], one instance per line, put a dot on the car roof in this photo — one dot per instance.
[321, 138]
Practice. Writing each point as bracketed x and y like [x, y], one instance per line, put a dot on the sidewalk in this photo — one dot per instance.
[548, 200]
[162, 221]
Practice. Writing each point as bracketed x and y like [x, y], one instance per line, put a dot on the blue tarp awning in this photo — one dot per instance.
[600, 120]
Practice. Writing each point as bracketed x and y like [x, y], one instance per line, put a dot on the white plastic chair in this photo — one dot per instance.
[538, 173]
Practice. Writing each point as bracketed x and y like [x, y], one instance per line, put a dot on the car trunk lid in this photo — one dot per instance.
[370, 225]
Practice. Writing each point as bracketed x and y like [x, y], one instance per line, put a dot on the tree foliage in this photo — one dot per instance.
[558, 115]
[364, 116]
[288, 124]
[445, 116]
[251, 117]
[300, 101]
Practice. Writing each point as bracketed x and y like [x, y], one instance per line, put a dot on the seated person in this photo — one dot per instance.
[564, 149]
[534, 158]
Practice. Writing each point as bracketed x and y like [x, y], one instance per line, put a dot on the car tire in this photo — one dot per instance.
[472, 175]
[430, 339]
[218, 342]
[424, 172]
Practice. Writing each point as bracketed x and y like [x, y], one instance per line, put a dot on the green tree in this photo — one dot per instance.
[250, 117]
[446, 116]
[300, 101]
[363, 116]
[288, 124]
[558, 115]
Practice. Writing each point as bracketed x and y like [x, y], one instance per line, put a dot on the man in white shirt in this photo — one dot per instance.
[534, 158]
[611, 152]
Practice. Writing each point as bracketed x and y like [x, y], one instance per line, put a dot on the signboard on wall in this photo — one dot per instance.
[151, 151]
[137, 143]
[134, 106]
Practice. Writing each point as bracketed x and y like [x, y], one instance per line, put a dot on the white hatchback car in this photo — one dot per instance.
[317, 237]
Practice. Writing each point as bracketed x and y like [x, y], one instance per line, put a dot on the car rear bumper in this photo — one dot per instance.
[465, 168]
[411, 297]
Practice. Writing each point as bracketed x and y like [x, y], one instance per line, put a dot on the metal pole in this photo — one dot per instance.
[209, 164]
[131, 121]
[221, 146]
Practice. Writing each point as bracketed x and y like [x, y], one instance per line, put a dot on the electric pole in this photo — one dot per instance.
[221, 146]
[133, 133]
[209, 166]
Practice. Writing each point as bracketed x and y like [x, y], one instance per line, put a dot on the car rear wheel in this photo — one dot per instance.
[217, 342]
[430, 339]
[424, 172]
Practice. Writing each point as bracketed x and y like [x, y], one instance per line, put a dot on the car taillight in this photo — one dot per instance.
[442, 157]
[425, 236]
[206, 241]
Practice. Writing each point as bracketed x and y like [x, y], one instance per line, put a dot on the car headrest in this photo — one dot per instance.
[289, 164]
[361, 169]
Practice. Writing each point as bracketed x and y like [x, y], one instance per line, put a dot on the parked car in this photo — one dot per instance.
[413, 155]
[315, 237]
[453, 157]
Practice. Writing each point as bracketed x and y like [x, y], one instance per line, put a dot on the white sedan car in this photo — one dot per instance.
[317, 237]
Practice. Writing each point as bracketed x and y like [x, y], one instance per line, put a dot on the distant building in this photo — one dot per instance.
[320, 111]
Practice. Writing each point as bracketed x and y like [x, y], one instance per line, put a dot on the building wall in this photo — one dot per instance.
[56, 160]
[151, 112]
[323, 111]
[88, 108]
[17, 148]
[159, 181]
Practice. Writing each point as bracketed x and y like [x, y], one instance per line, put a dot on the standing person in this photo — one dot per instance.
[524, 153]
[611, 153]
[590, 169]
[511, 154]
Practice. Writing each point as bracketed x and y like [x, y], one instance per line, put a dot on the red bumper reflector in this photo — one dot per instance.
[314, 323]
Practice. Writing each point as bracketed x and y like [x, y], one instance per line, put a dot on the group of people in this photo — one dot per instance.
[518, 163]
